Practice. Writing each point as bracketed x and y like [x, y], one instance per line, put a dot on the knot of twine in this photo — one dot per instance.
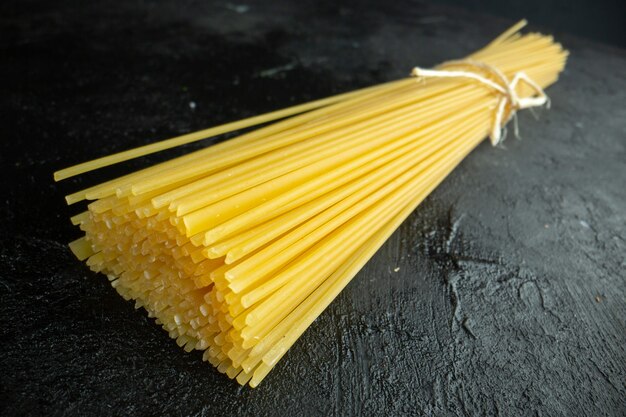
[508, 103]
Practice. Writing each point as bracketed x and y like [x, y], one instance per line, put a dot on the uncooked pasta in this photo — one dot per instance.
[237, 248]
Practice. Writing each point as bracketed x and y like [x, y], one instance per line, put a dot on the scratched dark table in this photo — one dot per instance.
[503, 294]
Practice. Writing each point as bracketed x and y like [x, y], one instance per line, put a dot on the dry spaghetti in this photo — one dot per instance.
[236, 249]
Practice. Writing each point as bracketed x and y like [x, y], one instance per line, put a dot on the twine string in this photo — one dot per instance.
[509, 101]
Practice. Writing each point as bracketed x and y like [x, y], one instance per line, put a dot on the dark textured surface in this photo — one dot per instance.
[601, 20]
[503, 294]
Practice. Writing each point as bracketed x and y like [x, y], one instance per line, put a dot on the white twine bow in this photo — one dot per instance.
[506, 88]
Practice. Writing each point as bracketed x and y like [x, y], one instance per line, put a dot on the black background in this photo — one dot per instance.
[602, 20]
[509, 297]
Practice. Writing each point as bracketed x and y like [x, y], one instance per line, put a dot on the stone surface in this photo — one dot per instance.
[503, 294]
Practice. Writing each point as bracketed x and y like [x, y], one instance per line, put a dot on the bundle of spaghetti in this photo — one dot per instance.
[237, 248]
